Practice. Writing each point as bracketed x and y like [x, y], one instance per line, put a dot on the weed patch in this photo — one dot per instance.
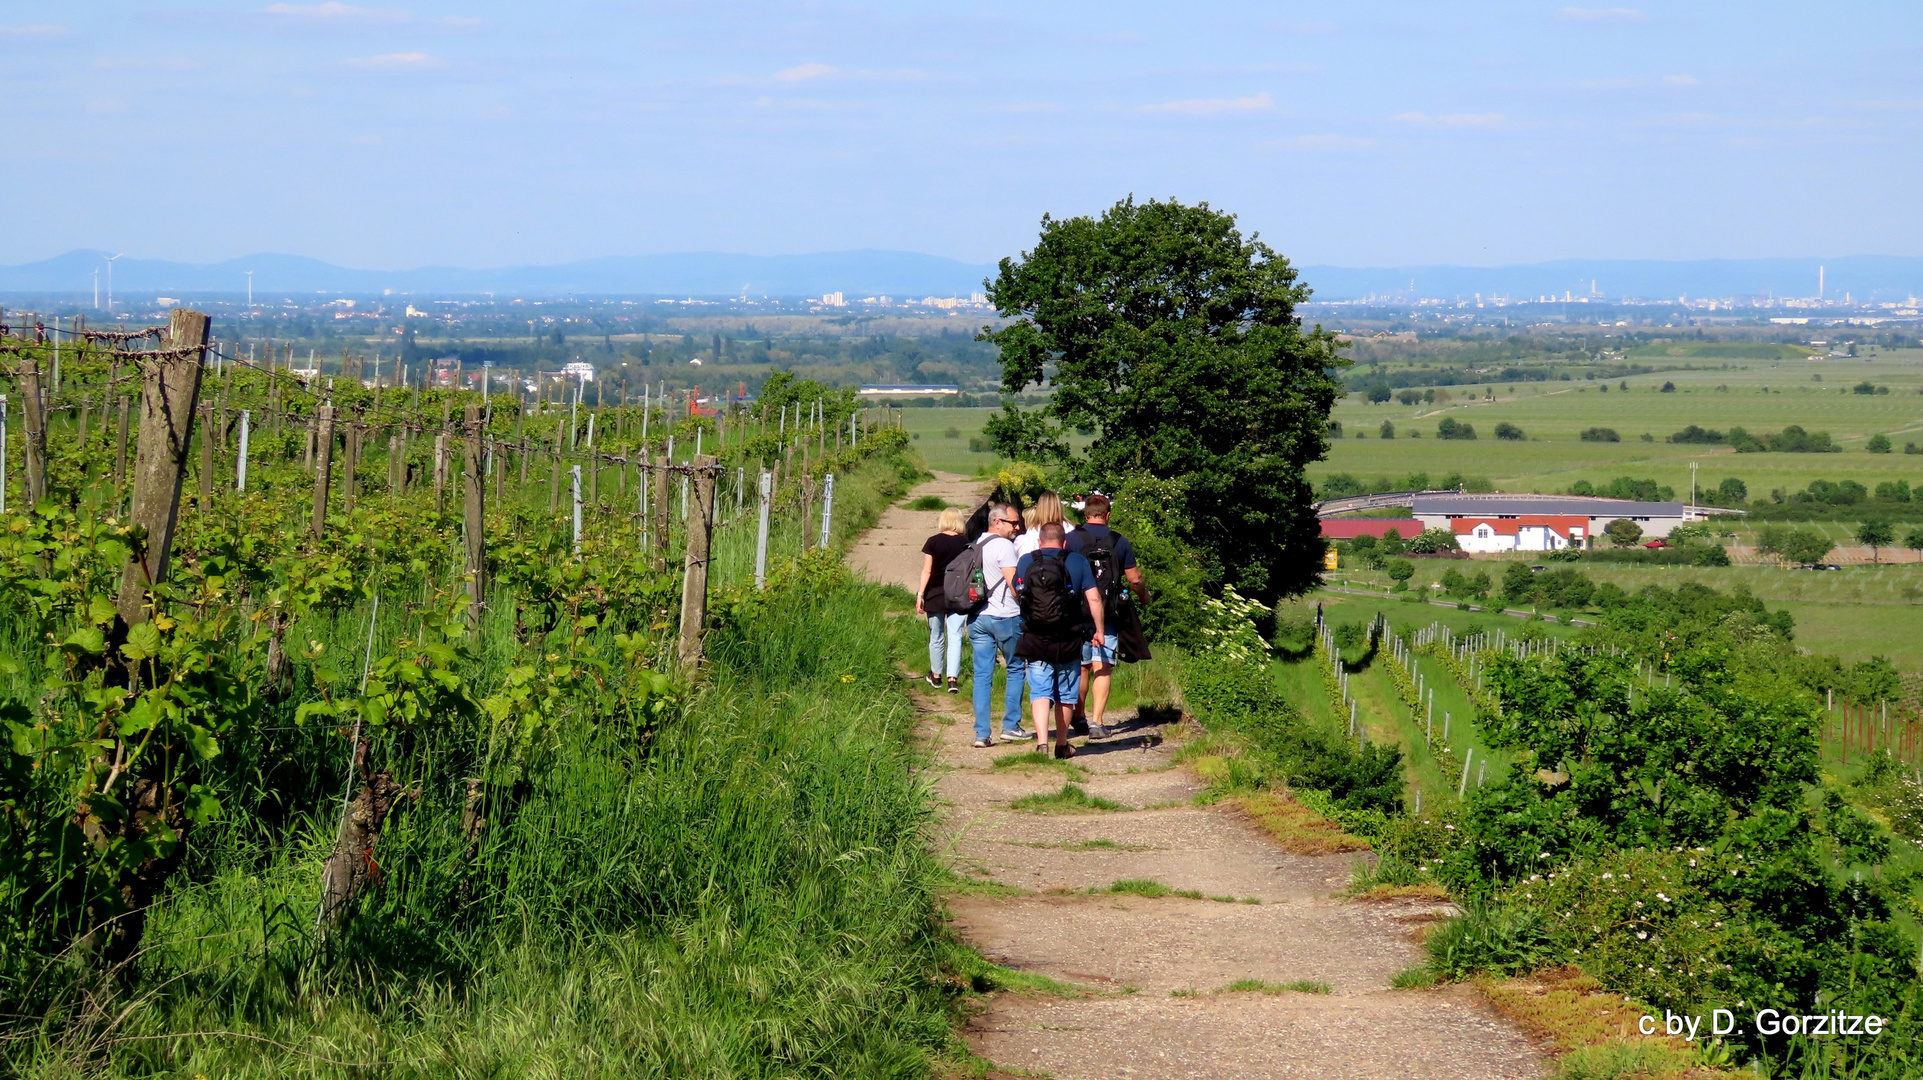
[1257, 986]
[1072, 799]
[1297, 829]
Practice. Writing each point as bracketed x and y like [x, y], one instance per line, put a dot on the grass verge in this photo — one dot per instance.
[1257, 986]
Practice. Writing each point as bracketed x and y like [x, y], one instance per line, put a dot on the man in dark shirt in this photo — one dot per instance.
[1098, 660]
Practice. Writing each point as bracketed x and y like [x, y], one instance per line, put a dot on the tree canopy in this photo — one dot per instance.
[1174, 340]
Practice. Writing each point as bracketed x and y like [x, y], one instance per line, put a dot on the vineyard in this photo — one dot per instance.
[356, 724]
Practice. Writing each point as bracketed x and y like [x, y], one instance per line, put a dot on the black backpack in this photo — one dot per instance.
[1100, 553]
[1047, 601]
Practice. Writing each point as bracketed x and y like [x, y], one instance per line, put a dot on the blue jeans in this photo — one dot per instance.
[990, 635]
[944, 643]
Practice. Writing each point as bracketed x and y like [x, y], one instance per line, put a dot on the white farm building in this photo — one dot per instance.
[1489, 523]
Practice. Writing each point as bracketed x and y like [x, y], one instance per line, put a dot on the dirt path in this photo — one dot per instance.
[1151, 971]
[891, 551]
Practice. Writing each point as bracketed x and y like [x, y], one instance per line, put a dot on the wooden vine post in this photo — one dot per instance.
[323, 465]
[658, 531]
[36, 435]
[207, 435]
[474, 519]
[170, 391]
[694, 574]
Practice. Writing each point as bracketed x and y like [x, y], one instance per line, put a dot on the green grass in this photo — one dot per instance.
[1072, 799]
[1154, 890]
[928, 502]
[1554, 413]
[1027, 759]
[1257, 986]
[754, 896]
[1102, 844]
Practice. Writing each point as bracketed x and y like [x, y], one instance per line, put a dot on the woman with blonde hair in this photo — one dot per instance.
[1047, 508]
[945, 627]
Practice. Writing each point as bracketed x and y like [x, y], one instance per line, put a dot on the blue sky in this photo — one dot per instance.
[1362, 133]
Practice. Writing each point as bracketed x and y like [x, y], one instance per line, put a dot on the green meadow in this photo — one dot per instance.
[1759, 395]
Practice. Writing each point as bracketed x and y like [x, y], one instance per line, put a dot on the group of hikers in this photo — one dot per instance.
[1053, 602]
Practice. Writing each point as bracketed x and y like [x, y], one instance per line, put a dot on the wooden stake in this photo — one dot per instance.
[36, 434]
[658, 531]
[694, 575]
[473, 518]
[207, 436]
[171, 390]
[349, 487]
[323, 440]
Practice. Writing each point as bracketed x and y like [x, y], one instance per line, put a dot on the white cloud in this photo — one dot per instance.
[1212, 106]
[801, 72]
[1492, 119]
[396, 61]
[38, 30]
[335, 11]
[1679, 80]
[1601, 15]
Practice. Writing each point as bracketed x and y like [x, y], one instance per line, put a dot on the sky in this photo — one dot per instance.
[1354, 134]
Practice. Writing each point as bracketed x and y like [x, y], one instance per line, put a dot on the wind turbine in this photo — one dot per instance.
[250, 288]
[96, 288]
[110, 281]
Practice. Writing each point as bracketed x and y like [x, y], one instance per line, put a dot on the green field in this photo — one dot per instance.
[1759, 395]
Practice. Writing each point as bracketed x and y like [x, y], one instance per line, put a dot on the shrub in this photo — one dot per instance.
[1601, 434]
[1432, 541]
[1879, 444]
[1451, 428]
[1386, 431]
[1697, 435]
[1623, 532]
[1509, 432]
[1401, 570]
[1486, 938]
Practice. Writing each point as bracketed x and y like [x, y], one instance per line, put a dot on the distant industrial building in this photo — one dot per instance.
[907, 390]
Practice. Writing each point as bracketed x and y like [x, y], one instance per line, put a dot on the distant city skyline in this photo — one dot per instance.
[1373, 134]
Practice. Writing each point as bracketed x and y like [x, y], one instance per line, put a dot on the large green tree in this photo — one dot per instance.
[1174, 339]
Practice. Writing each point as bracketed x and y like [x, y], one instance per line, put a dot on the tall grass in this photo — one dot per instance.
[751, 894]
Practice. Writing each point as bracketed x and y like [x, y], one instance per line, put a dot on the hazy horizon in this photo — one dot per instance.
[1374, 135]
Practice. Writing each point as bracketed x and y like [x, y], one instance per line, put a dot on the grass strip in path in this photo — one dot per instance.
[1072, 799]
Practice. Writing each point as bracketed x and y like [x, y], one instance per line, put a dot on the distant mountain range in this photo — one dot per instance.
[905, 274]
[898, 274]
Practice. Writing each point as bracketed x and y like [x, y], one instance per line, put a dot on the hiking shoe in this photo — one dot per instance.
[1064, 752]
[1097, 731]
[983, 744]
[1016, 735]
[954, 685]
[934, 680]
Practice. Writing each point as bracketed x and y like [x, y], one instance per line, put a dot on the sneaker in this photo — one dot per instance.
[1016, 735]
[1078, 727]
[934, 680]
[983, 744]
[954, 685]
[1097, 731]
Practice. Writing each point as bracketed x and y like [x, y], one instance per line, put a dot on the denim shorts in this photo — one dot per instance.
[1103, 655]
[1060, 683]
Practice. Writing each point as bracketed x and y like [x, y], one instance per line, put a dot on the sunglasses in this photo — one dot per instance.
[1017, 522]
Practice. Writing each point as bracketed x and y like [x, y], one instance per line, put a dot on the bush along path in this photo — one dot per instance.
[1161, 932]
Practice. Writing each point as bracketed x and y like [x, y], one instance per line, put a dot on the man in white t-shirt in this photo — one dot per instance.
[997, 625]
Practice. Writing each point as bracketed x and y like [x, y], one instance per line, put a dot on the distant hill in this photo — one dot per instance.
[856, 273]
[905, 274]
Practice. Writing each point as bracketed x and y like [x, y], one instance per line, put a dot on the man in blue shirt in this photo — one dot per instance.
[1062, 610]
